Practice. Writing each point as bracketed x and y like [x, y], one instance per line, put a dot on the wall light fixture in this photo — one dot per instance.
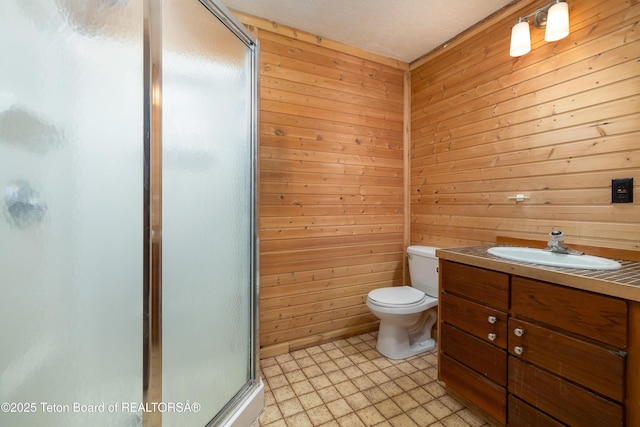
[554, 16]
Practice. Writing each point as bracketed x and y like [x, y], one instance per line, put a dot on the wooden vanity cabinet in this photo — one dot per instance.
[473, 338]
[552, 355]
[567, 352]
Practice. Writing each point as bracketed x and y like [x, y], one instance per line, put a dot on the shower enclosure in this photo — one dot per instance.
[128, 236]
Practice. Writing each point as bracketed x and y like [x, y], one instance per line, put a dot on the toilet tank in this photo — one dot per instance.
[423, 269]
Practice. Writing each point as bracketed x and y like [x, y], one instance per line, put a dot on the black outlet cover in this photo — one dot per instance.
[622, 190]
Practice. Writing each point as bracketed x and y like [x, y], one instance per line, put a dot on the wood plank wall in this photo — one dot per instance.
[555, 125]
[331, 186]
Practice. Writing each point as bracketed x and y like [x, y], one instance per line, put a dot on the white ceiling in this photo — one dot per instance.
[399, 29]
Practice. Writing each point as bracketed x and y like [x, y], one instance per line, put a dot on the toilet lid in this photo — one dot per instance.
[397, 295]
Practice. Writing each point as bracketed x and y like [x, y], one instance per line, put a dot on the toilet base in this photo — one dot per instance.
[395, 342]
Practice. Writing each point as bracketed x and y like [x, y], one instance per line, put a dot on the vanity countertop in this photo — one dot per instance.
[622, 283]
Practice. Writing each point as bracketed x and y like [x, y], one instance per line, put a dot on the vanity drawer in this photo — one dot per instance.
[594, 316]
[486, 323]
[485, 358]
[484, 393]
[587, 364]
[484, 286]
[565, 401]
[523, 415]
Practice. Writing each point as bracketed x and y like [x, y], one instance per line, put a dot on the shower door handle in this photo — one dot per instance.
[23, 204]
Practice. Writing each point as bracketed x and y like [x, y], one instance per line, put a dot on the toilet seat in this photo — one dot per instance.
[400, 300]
[397, 296]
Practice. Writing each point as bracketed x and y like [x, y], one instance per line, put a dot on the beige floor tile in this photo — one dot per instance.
[279, 423]
[405, 402]
[339, 408]
[289, 366]
[421, 416]
[277, 381]
[438, 409]
[472, 419]
[320, 382]
[388, 409]
[343, 362]
[454, 420]
[290, 407]
[346, 388]
[270, 415]
[391, 388]
[284, 358]
[403, 420]
[347, 383]
[320, 415]
[337, 377]
[329, 366]
[272, 370]
[314, 350]
[332, 423]
[335, 353]
[363, 382]
[421, 395]
[299, 420]
[375, 395]
[305, 362]
[310, 400]
[320, 357]
[295, 376]
[352, 371]
[302, 387]
[312, 371]
[299, 354]
[329, 394]
[283, 393]
[451, 403]
[350, 420]
[357, 401]
[370, 416]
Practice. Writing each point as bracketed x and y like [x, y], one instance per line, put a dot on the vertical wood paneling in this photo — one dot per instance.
[331, 186]
[556, 125]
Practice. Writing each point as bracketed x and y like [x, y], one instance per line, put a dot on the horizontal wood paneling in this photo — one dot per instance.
[331, 186]
[556, 125]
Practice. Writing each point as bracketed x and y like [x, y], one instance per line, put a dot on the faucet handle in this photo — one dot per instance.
[556, 235]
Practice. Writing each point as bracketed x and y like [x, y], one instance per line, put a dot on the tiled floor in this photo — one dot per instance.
[348, 383]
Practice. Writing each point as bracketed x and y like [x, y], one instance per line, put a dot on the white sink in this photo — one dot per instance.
[542, 257]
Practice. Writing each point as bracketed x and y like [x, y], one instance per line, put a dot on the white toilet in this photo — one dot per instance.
[407, 313]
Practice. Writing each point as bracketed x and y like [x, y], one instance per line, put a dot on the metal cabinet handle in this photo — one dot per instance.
[492, 337]
[518, 350]
[492, 319]
[518, 332]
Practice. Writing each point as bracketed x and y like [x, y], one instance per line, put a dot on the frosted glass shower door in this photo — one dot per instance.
[207, 217]
[71, 219]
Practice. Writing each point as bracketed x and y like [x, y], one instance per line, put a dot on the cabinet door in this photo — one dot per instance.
[484, 286]
[594, 316]
[485, 358]
[582, 362]
[565, 401]
[483, 322]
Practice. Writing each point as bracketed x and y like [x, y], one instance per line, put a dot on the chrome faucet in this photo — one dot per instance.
[556, 244]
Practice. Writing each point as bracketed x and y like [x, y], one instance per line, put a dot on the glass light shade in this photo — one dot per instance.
[520, 39]
[557, 22]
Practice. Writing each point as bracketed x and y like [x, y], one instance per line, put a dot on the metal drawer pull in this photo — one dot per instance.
[491, 337]
[518, 332]
[492, 319]
[518, 350]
